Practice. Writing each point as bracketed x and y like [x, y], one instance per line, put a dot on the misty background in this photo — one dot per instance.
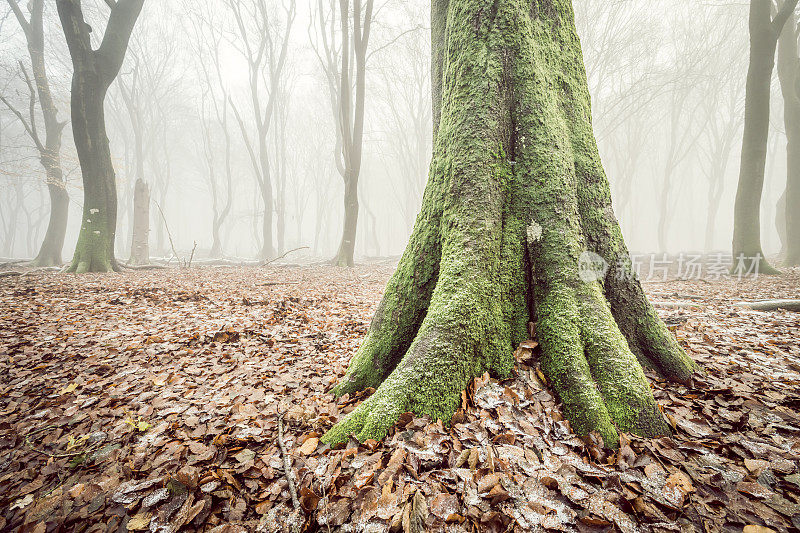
[667, 79]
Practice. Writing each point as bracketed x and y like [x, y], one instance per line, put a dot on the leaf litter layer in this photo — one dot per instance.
[149, 401]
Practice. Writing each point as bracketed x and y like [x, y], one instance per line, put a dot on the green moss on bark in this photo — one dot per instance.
[93, 253]
[517, 194]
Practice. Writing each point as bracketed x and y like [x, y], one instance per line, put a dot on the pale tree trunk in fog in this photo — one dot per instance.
[15, 206]
[140, 228]
[209, 36]
[94, 71]
[140, 240]
[408, 100]
[780, 222]
[764, 31]
[28, 219]
[281, 164]
[265, 55]
[681, 141]
[345, 67]
[161, 168]
[723, 127]
[370, 229]
[219, 213]
[627, 150]
[49, 150]
[788, 209]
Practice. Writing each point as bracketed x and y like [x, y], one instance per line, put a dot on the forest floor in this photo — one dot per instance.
[150, 401]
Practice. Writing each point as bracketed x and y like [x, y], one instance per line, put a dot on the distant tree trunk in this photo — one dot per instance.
[49, 150]
[788, 209]
[722, 151]
[780, 223]
[94, 71]
[764, 31]
[265, 53]
[373, 242]
[346, 76]
[281, 168]
[140, 240]
[221, 215]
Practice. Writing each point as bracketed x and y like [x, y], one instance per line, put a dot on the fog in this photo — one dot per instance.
[667, 80]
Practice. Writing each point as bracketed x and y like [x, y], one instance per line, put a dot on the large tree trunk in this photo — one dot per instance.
[516, 200]
[764, 33]
[95, 249]
[789, 74]
[94, 71]
[140, 240]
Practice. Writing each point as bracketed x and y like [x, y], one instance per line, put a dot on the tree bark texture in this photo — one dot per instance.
[94, 71]
[516, 200]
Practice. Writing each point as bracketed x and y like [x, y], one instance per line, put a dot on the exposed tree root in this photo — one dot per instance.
[516, 200]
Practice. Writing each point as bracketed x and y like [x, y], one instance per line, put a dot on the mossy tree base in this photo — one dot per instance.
[516, 202]
[94, 251]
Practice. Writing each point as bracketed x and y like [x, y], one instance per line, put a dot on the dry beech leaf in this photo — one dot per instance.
[309, 446]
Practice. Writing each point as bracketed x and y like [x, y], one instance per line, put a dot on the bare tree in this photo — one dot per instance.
[722, 104]
[406, 90]
[94, 71]
[263, 43]
[281, 162]
[208, 36]
[132, 96]
[789, 75]
[50, 148]
[682, 117]
[344, 61]
[764, 32]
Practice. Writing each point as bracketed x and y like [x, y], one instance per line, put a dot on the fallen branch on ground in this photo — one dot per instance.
[144, 267]
[265, 263]
[296, 519]
[169, 233]
[287, 466]
[772, 305]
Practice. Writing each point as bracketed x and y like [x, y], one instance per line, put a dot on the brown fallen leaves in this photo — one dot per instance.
[148, 401]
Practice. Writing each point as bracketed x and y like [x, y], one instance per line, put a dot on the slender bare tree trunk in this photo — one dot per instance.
[764, 31]
[49, 150]
[788, 209]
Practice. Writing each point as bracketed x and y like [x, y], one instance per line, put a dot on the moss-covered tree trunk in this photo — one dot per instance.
[94, 71]
[516, 202]
[764, 31]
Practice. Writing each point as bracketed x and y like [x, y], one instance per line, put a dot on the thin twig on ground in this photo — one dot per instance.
[287, 465]
[169, 233]
[192, 256]
[265, 263]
